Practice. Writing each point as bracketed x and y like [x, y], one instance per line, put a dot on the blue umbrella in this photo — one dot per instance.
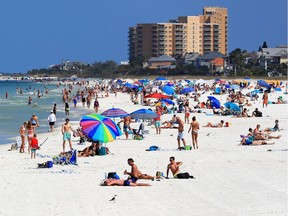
[187, 90]
[232, 106]
[235, 87]
[214, 102]
[160, 79]
[167, 101]
[143, 114]
[262, 83]
[168, 90]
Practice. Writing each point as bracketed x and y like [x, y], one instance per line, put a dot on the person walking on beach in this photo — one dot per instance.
[194, 126]
[265, 99]
[34, 146]
[96, 105]
[22, 132]
[51, 121]
[66, 132]
[187, 113]
[55, 109]
[67, 108]
[180, 133]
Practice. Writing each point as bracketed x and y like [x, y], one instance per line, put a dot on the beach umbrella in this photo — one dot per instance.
[232, 106]
[143, 114]
[200, 81]
[214, 102]
[235, 87]
[114, 113]
[160, 79]
[187, 90]
[156, 95]
[168, 90]
[165, 102]
[262, 83]
[101, 128]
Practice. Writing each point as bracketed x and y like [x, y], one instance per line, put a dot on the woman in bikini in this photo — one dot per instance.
[194, 126]
[30, 133]
[22, 132]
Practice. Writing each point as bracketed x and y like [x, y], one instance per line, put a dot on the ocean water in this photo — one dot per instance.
[15, 109]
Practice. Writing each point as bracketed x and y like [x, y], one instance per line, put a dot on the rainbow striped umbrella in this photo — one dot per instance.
[101, 128]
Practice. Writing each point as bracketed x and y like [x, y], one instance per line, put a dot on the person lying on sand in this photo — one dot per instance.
[246, 141]
[220, 124]
[275, 128]
[259, 135]
[121, 182]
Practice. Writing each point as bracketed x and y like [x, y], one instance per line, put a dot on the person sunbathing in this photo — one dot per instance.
[122, 182]
[275, 128]
[247, 141]
[166, 124]
[259, 135]
[220, 124]
[91, 150]
[135, 173]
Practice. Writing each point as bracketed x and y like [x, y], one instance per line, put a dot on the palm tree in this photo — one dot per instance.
[236, 57]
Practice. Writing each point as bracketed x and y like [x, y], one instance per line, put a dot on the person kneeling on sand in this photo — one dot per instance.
[135, 174]
[220, 124]
[121, 182]
[175, 169]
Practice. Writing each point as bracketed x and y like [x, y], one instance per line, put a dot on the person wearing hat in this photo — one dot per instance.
[51, 120]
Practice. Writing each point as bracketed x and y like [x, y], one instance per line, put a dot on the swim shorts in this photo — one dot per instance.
[157, 124]
[180, 135]
[33, 150]
[67, 136]
[126, 183]
[248, 142]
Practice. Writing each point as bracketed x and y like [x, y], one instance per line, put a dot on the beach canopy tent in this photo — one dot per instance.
[262, 83]
[214, 102]
[156, 95]
[168, 90]
[187, 90]
[143, 114]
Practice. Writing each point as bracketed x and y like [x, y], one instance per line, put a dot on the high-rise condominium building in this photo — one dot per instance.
[197, 34]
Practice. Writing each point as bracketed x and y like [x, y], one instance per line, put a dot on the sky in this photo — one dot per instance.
[35, 34]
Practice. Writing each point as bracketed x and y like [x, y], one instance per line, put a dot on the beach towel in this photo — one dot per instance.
[153, 148]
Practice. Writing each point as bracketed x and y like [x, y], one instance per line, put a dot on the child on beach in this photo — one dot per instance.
[34, 146]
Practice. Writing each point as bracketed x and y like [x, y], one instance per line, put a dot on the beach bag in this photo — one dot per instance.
[153, 148]
[183, 176]
[188, 147]
[113, 175]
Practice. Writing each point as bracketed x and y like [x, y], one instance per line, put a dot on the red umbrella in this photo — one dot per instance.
[157, 95]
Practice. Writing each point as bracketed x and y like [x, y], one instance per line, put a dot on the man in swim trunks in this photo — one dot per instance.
[66, 132]
[135, 174]
[180, 132]
[175, 169]
[126, 125]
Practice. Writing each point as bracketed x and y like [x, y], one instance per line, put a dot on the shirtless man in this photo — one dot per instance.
[194, 126]
[66, 132]
[180, 133]
[174, 167]
[126, 125]
[135, 173]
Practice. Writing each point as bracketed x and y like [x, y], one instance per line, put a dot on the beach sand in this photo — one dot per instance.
[229, 179]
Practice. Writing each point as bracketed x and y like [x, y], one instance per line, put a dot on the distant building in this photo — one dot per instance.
[195, 34]
[277, 55]
[161, 62]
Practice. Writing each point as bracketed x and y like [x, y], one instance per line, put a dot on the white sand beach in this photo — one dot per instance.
[229, 179]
